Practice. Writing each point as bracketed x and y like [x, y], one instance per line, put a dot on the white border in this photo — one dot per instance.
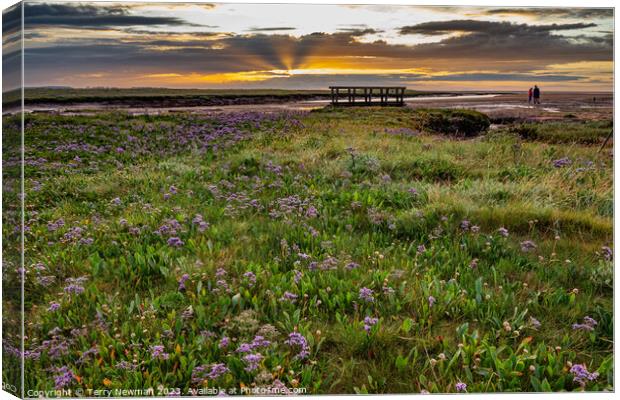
[541, 3]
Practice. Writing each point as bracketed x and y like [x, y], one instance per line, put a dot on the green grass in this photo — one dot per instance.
[295, 199]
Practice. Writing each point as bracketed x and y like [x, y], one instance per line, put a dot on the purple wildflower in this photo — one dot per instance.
[217, 370]
[175, 242]
[157, 351]
[182, 281]
[607, 253]
[589, 324]
[251, 277]
[421, 249]
[369, 322]
[297, 277]
[527, 246]
[252, 361]
[244, 348]
[53, 307]
[461, 387]
[64, 378]
[297, 339]
[260, 341]
[465, 224]
[288, 296]
[224, 342]
[75, 285]
[581, 374]
[116, 201]
[366, 294]
[534, 322]
[503, 231]
[202, 225]
[431, 301]
[352, 265]
[562, 162]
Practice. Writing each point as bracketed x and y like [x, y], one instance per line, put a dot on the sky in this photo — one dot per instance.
[293, 46]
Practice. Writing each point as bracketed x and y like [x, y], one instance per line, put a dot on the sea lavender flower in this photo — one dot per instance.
[289, 297]
[74, 285]
[217, 370]
[431, 301]
[182, 281]
[251, 277]
[126, 366]
[581, 374]
[607, 253]
[296, 339]
[421, 249]
[503, 232]
[63, 378]
[527, 246]
[534, 322]
[157, 351]
[53, 226]
[297, 276]
[244, 348]
[53, 306]
[369, 322]
[562, 162]
[116, 201]
[260, 341]
[202, 225]
[465, 224]
[366, 294]
[175, 242]
[224, 342]
[460, 387]
[252, 361]
[352, 265]
[473, 264]
[589, 324]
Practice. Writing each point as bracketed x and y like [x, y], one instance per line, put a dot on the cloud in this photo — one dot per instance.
[358, 32]
[505, 77]
[271, 29]
[510, 51]
[90, 16]
[545, 12]
[486, 27]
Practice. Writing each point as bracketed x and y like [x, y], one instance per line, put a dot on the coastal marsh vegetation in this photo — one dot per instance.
[341, 251]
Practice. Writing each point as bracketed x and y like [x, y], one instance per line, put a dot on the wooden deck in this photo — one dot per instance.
[368, 95]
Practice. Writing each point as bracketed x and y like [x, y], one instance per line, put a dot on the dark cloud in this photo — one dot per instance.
[543, 12]
[487, 27]
[357, 32]
[12, 19]
[506, 77]
[90, 16]
[271, 29]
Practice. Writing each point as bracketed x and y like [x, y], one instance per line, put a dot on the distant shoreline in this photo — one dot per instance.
[178, 98]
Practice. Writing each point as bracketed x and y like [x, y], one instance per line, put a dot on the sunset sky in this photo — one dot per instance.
[313, 46]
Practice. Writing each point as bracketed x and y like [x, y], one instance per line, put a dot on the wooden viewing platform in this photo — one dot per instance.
[363, 95]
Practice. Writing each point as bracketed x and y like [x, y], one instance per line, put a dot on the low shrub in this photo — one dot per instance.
[462, 123]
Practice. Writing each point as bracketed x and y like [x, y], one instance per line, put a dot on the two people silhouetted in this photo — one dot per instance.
[536, 93]
[533, 94]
